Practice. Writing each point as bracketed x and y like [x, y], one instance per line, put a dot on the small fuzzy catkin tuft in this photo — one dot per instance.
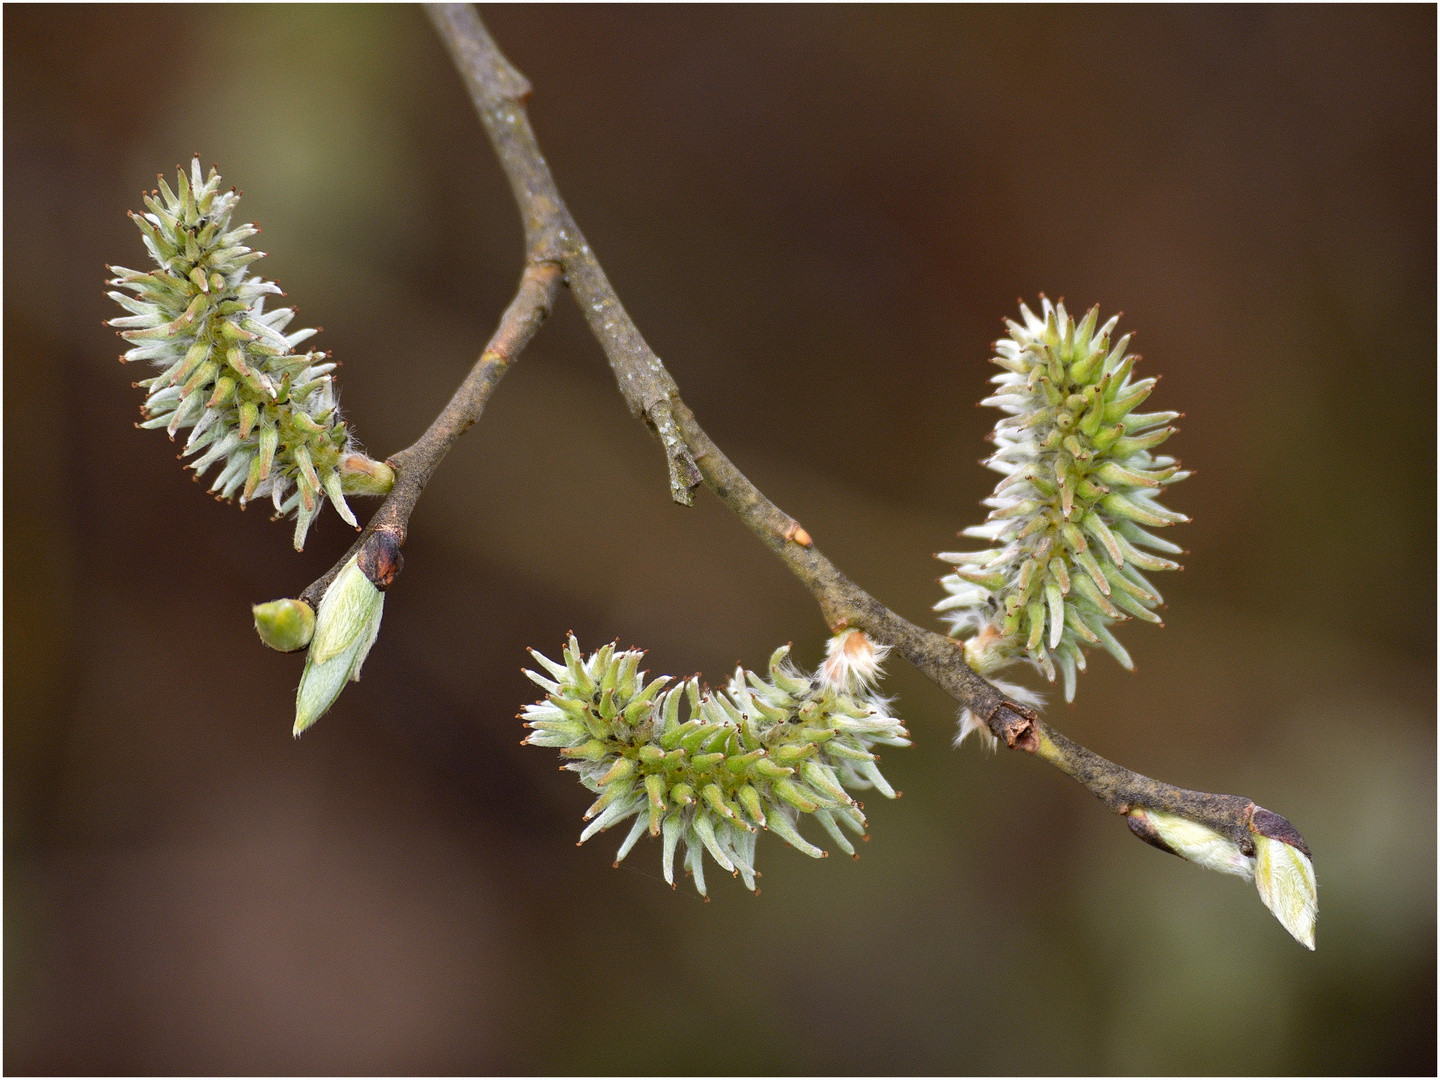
[763, 753]
[1068, 522]
[265, 414]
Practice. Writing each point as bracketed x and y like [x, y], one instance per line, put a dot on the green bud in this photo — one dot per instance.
[249, 417]
[1144, 560]
[703, 734]
[635, 833]
[1036, 614]
[1125, 447]
[199, 379]
[596, 724]
[740, 763]
[1056, 603]
[769, 713]
[790, 753]
[605, 668]
[672, 828]
[839, 748]
[621, 769]
[787, 790]
[827, 821]
[673, 736]
[780, 825]
[1085, 587]
[1087, 562]
[991, 580]
[224, 387]
[712, 794]
[560, 733]
[771, 771]
[1117, 408]
[1061, 575]
[640, 705]
[577, 709]
[823, 781]
[613, 791]
[1077, 624]
[783, 675]
[1120, 583]
[1115, 476]
[607, 703]
[1095, 525]
[1154, 516]
[346, 626]
[1140, 421]
[629, 663]
[750, 799]
[1117, 373]
[1027, 574]
[579, 676]
[284, 625]
[1113, 647]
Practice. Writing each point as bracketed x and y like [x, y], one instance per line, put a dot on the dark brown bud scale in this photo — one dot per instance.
[380, 559]
[1268, 823]
[1141, 827]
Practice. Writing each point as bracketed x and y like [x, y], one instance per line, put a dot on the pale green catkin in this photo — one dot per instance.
[705, 770]
[1069, 521]
[265, 414]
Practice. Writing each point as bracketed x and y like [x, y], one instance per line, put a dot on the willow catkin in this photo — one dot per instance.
[765, 753]
[265, 414]
[1069, 521]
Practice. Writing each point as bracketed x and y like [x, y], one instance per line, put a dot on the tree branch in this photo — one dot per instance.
[385, 532]
[499, 91]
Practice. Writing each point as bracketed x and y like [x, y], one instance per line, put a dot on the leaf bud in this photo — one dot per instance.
[284, 625]
[361, 475]
[1284, 875]
[346, 626]
[1191, 841]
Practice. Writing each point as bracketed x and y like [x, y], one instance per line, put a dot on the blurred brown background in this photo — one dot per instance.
[818, 217]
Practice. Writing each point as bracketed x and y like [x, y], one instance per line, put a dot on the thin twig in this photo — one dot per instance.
[499, 92]
[416, 463]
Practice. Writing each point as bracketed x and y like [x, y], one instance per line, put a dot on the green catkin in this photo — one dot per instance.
[710, 769]
[262, 412]
[1066, 522]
